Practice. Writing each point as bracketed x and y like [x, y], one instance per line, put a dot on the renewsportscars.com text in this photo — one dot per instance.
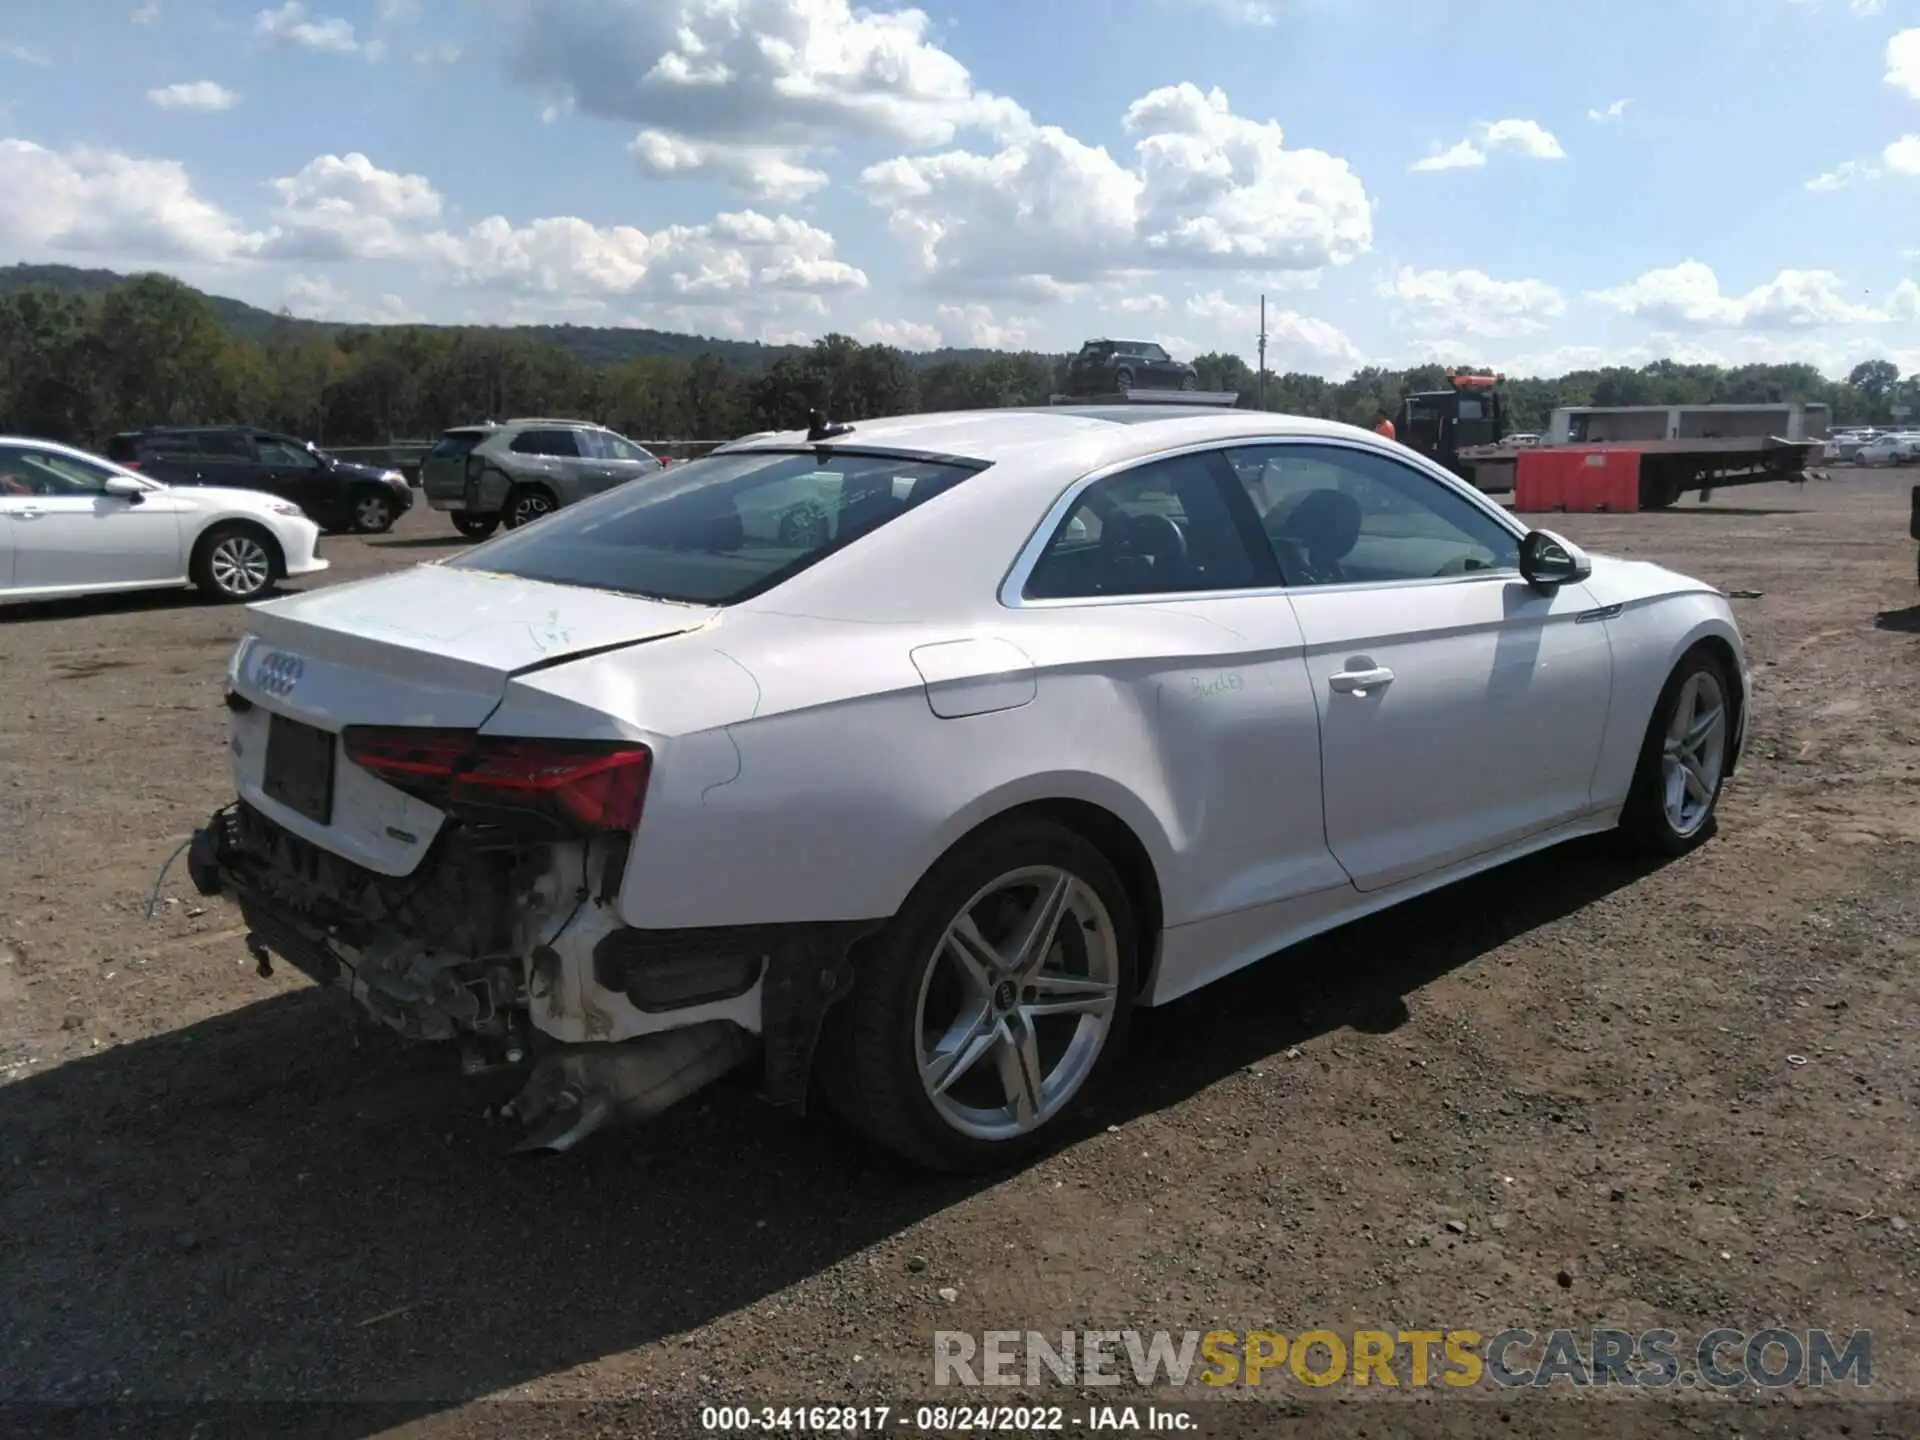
[1721, 1359]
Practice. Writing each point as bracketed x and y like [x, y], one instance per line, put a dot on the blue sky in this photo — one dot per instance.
[1526, 183]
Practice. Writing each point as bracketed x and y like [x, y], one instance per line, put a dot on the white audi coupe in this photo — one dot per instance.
[909, 756]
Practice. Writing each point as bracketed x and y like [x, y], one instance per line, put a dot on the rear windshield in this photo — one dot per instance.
[720, 530]
[456, 443]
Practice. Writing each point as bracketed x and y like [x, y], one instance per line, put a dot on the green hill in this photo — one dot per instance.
[593, 344]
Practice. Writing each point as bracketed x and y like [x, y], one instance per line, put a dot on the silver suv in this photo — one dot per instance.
[518, 470]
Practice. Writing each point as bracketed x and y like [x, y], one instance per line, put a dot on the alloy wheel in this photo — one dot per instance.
[1016, 1003]
[240, 566]
[1694, 752]
[527, 508]
[372, 513]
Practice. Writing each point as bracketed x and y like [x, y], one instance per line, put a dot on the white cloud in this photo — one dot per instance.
[109, 206]
[1473, 303]
[974, 326]
[1902, 157]
[1258, 13]
[1688, 296]
[1463, 155]
[1205, 189]
[26, 55]
[1905, 304]
[1522, 137]
[731, 259]
[344, 207]
[1527, 138]
[737, 271]
[147, 14]
[1142, 304]
[746, 90]
[1294, 341]
[901, 334]
[292, 26]
[766, 172]
[443, 54]
[315, 297]
[1903, 62]
[1617, 110]
[201, 95]
[1846, 173]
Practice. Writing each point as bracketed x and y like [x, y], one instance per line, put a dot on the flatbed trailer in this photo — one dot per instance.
[1668, 468]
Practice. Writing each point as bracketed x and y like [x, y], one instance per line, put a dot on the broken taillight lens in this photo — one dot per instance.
[586, 785]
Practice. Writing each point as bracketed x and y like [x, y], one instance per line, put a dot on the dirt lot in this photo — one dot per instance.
[1569, 1093]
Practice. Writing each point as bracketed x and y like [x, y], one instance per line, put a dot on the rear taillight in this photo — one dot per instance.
[129, 464]
[584, 785]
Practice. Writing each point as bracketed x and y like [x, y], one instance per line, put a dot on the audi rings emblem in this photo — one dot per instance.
[278, 673]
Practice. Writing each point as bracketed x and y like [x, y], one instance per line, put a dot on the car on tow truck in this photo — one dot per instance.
[1029, 718]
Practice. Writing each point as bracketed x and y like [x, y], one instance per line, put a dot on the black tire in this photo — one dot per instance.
[1123, 381]
[226, 564]
[526, 504]
[475, 527]
[372, 513]
[1658, 492]
[870, 1066]
[1645, 820]
[1188, 382]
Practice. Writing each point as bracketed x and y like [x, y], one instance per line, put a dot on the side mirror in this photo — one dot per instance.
[125, 487]
[1548, 561]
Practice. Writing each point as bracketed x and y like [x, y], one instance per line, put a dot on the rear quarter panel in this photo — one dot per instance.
[801, 773]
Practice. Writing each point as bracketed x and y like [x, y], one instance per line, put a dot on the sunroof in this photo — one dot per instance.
[1128, 414]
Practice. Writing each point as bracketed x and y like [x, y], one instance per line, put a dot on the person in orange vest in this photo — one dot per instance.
[1383, 425]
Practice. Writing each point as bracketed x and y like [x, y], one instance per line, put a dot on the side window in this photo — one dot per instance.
[1160, 528]
[544, 442]
[224, 445]
[42, 472]
[593, 444]
[285, 455]
[620, 448]
[1336, 515]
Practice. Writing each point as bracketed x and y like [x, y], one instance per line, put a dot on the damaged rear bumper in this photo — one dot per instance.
[510, 947]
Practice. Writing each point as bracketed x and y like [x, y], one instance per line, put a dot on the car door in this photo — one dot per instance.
[626, 460]
[286, 468]
[225, 458]
[599, 466]
[550, 457]
[1460, 709]
[1157, 368]
[69, 532]
[1148, 581]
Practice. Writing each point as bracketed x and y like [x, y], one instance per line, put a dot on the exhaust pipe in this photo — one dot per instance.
[576, 1089]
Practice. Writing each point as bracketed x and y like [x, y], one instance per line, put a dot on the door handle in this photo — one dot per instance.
[1359, 682]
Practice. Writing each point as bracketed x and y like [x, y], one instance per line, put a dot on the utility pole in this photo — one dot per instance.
[1263, 352]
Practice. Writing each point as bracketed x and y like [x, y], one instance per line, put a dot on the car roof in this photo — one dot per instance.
[947, 558]
[1099, 434]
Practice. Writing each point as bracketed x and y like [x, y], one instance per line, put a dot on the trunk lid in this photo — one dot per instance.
[426, 647]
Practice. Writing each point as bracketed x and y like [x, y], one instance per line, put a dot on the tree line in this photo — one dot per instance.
[77, 367]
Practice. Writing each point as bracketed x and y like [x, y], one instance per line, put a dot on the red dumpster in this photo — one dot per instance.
[1577, 478]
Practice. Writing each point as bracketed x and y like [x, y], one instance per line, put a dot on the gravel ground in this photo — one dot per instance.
[1574, 1092]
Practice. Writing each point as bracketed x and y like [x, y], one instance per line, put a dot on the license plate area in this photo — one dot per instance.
[299, 768]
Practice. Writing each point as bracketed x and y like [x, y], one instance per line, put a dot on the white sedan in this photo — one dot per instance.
[1888, 450]
[74, 524]
[1040, 716]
